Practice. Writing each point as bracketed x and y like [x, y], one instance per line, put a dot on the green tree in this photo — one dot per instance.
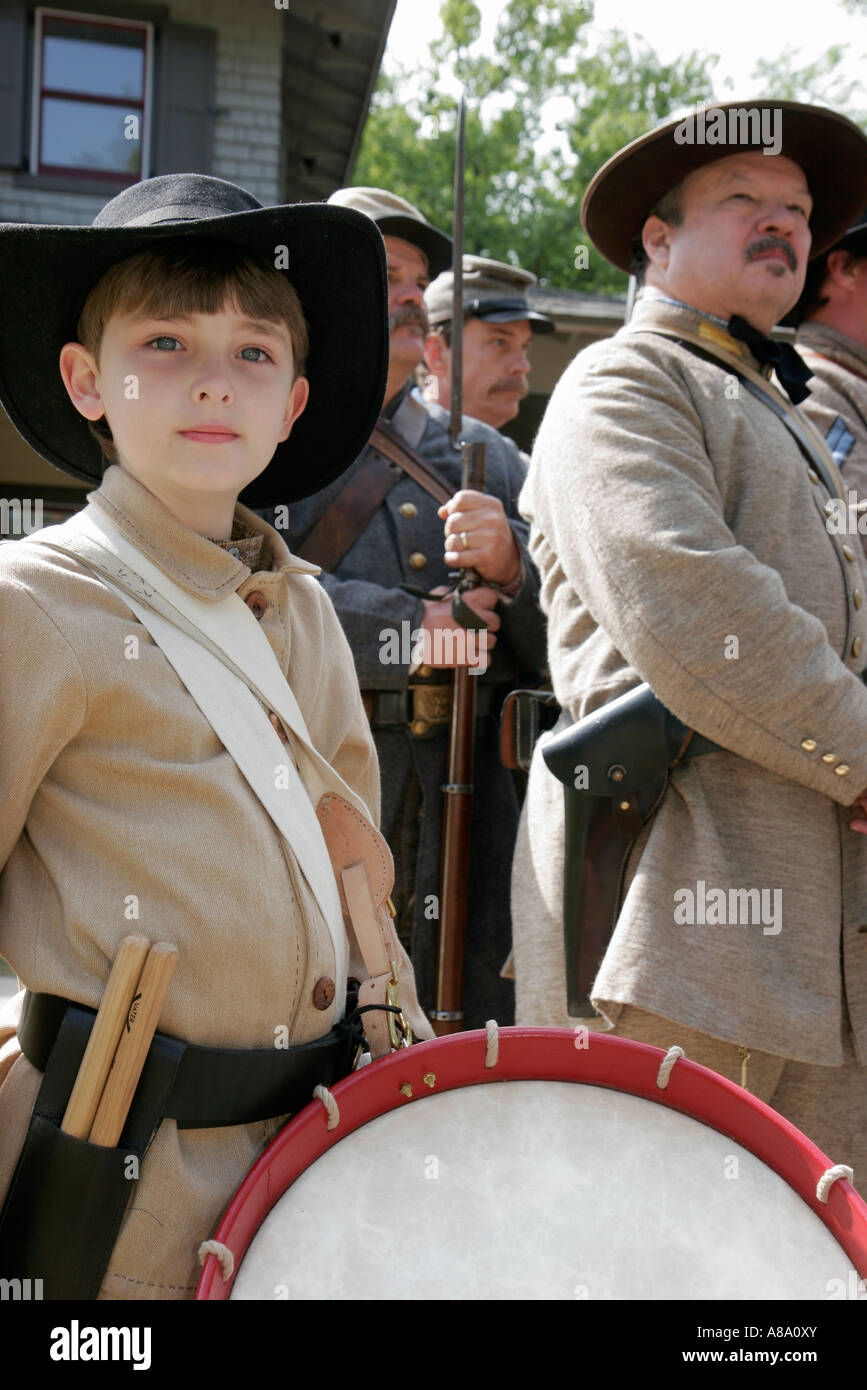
[524, 182]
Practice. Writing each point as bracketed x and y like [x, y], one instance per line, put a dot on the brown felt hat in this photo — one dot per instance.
[828, 147]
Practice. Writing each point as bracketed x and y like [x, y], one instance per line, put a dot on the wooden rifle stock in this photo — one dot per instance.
[457, 815]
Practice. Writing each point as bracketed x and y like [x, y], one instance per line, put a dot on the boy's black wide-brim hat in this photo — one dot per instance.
[336, 263]
[829, 148]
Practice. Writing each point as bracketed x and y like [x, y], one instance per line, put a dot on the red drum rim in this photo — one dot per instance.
[536, 1054]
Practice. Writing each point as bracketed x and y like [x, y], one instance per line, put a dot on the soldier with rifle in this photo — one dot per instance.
[678, 507]
[389, 537]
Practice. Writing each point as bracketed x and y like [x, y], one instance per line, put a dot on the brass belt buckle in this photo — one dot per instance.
[431, 704]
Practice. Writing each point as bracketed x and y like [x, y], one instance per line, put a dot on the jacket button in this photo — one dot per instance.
[323, 994]
[419, 727]
[849, 553]
[814, 477]
[808, 745]
[275, 720]
[257, 604]
[842, 770]
[408, 509]
[425, 672]
[856, 646]
[829, 757]
[417, 560]
[857, 598]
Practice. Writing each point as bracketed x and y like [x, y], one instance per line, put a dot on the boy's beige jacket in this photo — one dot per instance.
[121, 811]
[682, 540]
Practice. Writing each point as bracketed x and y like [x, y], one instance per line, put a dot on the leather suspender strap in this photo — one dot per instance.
[763, 392]
[354, 507]
[388, 441]
[350, 513]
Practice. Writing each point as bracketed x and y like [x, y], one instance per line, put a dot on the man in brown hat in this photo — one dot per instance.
[389, 538]
[832, 339]
[680, 532]
[499, 323]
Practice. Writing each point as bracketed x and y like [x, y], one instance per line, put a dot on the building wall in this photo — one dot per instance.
[247, 130]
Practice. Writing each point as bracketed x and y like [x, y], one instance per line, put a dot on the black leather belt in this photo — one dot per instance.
[407, 706]
[215, 1086]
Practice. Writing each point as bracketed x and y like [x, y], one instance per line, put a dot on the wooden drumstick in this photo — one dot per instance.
[96, 1062]
[135, 1039]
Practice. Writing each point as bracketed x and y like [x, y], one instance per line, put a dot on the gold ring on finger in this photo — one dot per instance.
[464, 542]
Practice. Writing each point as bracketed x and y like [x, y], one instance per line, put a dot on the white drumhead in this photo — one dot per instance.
[539, 1190]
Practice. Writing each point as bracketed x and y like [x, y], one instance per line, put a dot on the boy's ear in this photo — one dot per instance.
[79, 371]
[295, 405]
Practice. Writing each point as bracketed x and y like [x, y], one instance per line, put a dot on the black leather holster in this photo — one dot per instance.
[614, 765]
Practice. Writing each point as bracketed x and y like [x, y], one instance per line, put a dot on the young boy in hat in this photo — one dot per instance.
[182, 383]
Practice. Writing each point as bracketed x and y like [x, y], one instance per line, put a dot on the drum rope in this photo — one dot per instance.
[322, 1093]
[827, 1180]
[492, 1049]
[666, 1066]
[223, 1254]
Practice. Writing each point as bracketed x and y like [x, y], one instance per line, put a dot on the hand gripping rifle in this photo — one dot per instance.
[458, 790]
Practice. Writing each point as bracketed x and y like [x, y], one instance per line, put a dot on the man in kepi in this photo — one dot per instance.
[679, 529]
[832, 339]
[387, 538]
[499, 323]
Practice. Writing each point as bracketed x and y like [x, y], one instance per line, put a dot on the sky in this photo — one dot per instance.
[740, 31]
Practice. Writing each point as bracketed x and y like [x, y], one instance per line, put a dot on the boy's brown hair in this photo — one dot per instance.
[184, 277]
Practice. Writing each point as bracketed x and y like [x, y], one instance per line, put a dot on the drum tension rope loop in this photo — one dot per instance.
[223, 1254]
[492, 1050]
[322, 1093]
[666, 1066]
[827, 1180]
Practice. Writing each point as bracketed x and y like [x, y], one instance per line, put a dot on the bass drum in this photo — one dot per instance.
[538, 1163]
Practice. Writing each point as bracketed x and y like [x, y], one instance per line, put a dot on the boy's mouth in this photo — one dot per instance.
[210, 434]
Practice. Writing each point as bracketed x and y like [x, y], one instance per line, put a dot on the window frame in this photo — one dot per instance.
[78, 174]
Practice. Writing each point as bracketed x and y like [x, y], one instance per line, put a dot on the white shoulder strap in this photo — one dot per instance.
[228, 665]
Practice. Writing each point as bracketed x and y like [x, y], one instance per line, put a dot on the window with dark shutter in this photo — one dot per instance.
[91, 102]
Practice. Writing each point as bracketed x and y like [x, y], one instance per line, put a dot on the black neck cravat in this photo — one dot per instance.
[791, 369]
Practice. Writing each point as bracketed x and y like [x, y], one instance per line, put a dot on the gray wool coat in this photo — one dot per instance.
[838, 391]
[368, 590]
[670, 512]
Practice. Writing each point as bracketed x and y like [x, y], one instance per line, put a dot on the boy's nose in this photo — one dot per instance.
[212, 385]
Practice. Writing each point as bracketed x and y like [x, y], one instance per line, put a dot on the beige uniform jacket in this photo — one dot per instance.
[671, 511]
[121, 811]
[838, 390]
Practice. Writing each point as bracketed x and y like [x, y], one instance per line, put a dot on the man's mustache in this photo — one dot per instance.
[514, 385]
[410, 313]
[772, 243]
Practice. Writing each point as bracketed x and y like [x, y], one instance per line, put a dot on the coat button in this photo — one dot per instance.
[408, 509]
[849, 553]
[857, 598]
[856, 646]
[842, 770]
[829, 757]
[814, 477]
[323, 994]
[417, 560]
[808, 745]
[419, 727]
[275, 720]
[257, 604]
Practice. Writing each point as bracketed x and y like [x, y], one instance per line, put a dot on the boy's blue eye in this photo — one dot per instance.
[262, 358]
[161, 341]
